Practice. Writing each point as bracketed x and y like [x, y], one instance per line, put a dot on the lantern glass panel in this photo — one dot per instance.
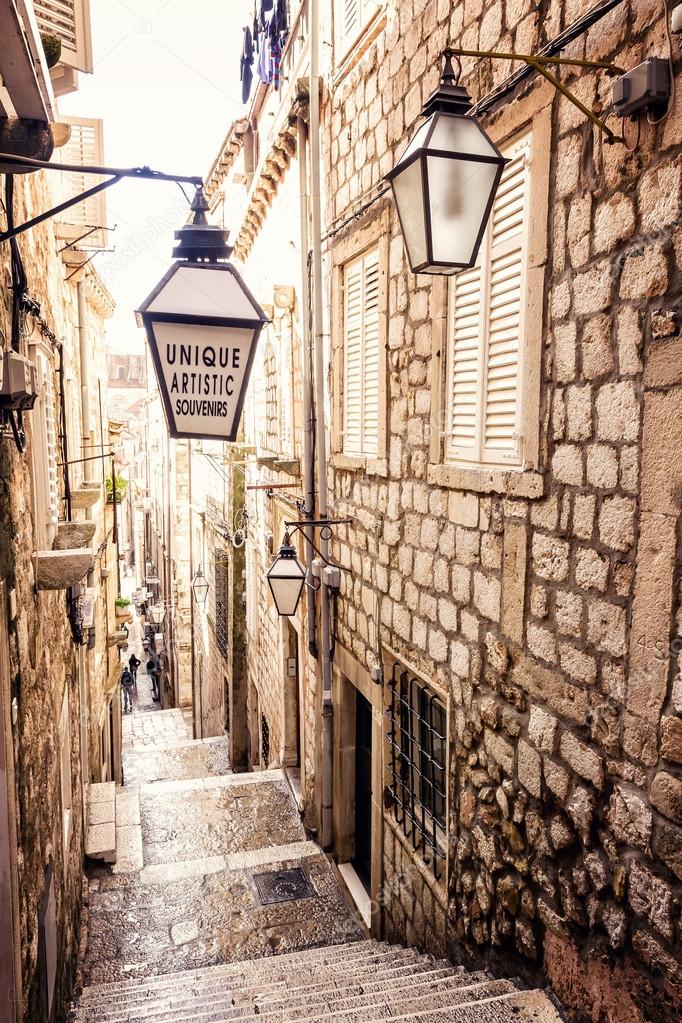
[460, 135]
[408, 189]
[459, 192]
[417, 141]
[286, 577]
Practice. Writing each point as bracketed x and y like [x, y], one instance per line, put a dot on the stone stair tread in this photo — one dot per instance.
[508, 1007]
[379, 970]
[202, 997]
[247, 967]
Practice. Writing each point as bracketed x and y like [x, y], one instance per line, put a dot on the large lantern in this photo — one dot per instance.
[200, 587]
[202, 327]
[286, 576]
[445, 182]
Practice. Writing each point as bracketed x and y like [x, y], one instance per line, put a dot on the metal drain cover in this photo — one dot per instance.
[283, 886]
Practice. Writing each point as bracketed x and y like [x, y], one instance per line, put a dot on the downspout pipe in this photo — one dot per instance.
[85, 377]
[308, 408]
[321, 438]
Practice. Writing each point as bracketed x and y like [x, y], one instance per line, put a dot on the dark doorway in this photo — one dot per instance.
[362, 858]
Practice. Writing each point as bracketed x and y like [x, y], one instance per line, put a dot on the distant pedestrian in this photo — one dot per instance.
[134, 663]
[153, 670]
[127, 683]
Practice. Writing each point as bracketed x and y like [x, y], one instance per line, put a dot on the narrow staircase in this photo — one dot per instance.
[359, 982]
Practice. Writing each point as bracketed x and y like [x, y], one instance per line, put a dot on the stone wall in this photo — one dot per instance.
[545, 602]
[42, 657]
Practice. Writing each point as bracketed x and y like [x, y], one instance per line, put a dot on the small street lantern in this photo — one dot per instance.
[202, 327]
[200, 588]
[157, 613]
[286, 577]
[445, 182]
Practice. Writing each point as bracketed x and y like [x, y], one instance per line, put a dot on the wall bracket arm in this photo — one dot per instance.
[538, 63]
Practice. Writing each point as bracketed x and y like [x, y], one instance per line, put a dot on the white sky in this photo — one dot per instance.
[166, 84]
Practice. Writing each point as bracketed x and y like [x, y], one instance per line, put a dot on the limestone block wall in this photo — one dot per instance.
[42, 660]
[545, 602]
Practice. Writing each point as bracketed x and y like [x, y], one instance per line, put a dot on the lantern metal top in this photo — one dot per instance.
[200, 241]
[450, 97]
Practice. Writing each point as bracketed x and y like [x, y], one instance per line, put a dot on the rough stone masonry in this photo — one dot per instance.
[544, 606]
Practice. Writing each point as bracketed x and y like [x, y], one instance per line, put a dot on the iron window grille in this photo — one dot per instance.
[417, 738]
[265, 740]
[221, 601]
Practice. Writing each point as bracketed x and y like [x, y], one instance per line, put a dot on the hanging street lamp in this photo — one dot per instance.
[200, 588]
[157, 613]
[445, 182]
[202, 326]
[286, 577]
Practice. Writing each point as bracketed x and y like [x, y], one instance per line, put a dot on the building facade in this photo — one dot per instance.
[506, 715]
[59, 631]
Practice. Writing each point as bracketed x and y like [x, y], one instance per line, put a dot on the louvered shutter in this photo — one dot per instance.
[352, 380]
[361, 355]
[70, 21]
[464, 365]
[508, 231]
[84, 148]
[352, 13]
[486, 323]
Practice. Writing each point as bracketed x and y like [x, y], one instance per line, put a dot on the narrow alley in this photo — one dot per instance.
[214, 869]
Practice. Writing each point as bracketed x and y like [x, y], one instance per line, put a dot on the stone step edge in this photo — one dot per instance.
[351, 948]
[380, 967]
[429, 983]
[515, 998]
[246, 779]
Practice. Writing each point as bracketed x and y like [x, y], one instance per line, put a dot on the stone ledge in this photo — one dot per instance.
[74, 536]
[86, 496]
[512, 483]
[61, 569]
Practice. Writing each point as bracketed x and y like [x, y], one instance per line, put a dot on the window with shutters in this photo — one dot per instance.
[286, 390]
[65, 769]
[352, 16]
[484, 391]
[44, 449]
[361, 355]
[83, 148]
[69, 20]
[251, 591]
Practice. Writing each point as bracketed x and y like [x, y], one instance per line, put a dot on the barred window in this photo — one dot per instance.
[417, 739]
[221, 576]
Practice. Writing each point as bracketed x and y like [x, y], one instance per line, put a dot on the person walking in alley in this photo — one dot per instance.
[153, 671]
[134, 663]
[127, 683]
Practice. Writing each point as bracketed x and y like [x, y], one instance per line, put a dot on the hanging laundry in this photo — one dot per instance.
[280, 20]
[246, 65]
[264, 63]
[275, 61]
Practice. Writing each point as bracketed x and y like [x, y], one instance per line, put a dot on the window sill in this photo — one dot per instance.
[509, 482]
[360, 463]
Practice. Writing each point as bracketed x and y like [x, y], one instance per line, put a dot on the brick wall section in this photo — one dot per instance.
[549, 621]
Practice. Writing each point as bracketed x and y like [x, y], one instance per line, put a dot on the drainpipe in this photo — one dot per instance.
[321, 439]
[308, 408]
[85, 382]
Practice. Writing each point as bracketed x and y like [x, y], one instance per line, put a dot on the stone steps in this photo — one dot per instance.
[360, 982]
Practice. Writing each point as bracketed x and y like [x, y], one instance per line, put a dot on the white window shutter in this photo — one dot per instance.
[70, 21]
[85, 148]
[352, 13]
[370, 351]
[361, 355]
[463, 411]
[506, 288]
[352, 379]
[486, 329]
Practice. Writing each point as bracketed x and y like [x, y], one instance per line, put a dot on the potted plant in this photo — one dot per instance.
[121, 488]
[122, 605]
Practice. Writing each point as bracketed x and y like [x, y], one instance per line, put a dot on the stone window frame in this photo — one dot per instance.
[347, 248]
[65, 772]
[44, 420]
[533, 114]
[347, 49]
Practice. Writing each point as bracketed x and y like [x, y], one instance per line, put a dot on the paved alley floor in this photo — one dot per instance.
[202, 854]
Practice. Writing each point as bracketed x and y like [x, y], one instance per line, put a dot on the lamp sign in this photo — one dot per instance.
[202, 328]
